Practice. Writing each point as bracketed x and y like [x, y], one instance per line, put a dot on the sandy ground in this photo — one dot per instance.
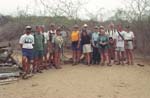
[83, 82]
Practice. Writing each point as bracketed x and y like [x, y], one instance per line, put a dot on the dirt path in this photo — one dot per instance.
[83, 82]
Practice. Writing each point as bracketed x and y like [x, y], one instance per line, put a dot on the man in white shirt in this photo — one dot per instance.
[120, 44]
[52, 34]
[46, 48]
[26, 43]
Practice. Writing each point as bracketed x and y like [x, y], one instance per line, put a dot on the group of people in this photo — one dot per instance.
[103, 46]
[96, 45]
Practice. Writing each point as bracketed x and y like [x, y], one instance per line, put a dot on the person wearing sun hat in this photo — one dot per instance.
[103, 42]
[120, 44]
[94, 40]
[58, 45]
[76, 46]
[129, 45]
[26, 43]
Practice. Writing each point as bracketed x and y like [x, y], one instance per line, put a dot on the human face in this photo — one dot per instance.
[95, 29]
[52, 27]
[119, 28]
[84, 33]
[127, 29]
[76, 28]
[28, 31]
[102, 31]
[58, 32]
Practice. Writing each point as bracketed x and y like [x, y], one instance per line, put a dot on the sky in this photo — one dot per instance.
[9, 7]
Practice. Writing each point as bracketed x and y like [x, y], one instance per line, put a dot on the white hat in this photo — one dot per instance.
[28, 27]
[85, 25]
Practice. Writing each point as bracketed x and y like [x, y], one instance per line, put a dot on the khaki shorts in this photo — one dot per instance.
[120, 49]
[87, 48]
[129, 45]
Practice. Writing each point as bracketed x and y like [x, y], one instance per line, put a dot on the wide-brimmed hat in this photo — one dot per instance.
[101, 27]
[96, 27]
[85, 25]
[76, 26]
[28, 27]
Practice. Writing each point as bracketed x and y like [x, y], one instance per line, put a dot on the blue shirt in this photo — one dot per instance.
[95, 37]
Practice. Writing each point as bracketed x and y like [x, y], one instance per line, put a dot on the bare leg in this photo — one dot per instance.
[88, 58]
[127, 54]
[102, 58]
[78, 56]
[122, 57]
[118, 57]
[131, 57]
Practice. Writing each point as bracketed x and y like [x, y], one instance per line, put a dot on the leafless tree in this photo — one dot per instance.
[68, 8]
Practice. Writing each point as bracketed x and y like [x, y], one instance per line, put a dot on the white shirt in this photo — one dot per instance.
[112, 33]
[119, 40]
[52, 33]
[27, 41]
[63, 34]
[46, 37]
[129, 35]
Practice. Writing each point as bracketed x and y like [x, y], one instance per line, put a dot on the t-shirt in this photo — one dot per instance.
[111, 34]
[129, 35]
[46, 37]
[119, 40]
[85, 40]
[63, 34]
[27, 41]
[95, 36]
[39, 41]
[75, 36]
[103, 39]
[58, 41]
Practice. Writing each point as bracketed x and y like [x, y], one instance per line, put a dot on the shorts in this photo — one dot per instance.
[75, 46]
[28, 53]
[57, 48]
[129, 45]
[38, 53]
[87, 48]
[52, 48]
[121, 49]
[104, 48]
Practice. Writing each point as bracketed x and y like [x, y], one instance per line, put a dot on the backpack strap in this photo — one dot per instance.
[121, 36]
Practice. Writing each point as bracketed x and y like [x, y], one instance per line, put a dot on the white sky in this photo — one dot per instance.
[9, 7]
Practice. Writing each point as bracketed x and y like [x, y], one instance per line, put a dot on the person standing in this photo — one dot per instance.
[103, 42]
[52, 33]
[86, 43]
[58, 45]
[111, 35]
[38, 49]
[26, 43]
[64, 34]
[120, 45]
[46, 48]
[96, 54]
[129, 45]
[76, 46]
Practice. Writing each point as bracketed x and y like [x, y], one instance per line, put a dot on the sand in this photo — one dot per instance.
[83, 82]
